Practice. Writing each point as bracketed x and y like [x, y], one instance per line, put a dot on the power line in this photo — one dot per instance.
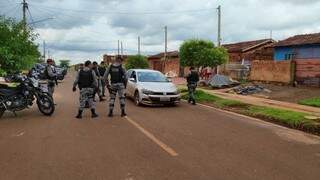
[127, 12]
[32, 21]
[11, 10]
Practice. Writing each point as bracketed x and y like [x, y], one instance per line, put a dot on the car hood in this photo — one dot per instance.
[158, 87]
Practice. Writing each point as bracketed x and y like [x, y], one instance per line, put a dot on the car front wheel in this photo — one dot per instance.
[137, 98]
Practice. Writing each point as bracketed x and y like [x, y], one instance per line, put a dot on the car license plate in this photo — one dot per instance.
[164, 98]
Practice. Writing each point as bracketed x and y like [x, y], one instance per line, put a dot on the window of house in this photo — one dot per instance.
[288, 56]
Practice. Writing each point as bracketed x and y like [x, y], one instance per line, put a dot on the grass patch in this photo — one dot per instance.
[288, 118]
[291, 118]
[315, 102]
[204, 97]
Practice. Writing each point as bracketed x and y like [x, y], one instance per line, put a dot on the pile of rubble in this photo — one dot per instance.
[248, 90]
[219, 81]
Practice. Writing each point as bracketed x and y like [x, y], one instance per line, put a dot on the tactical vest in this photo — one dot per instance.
[193, 77]
[117, 74]
[85, 79]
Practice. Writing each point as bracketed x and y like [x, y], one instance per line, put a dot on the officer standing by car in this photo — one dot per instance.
[86, 81]
[192, 80]
[102, 70]
[51, 74]
[116, 85]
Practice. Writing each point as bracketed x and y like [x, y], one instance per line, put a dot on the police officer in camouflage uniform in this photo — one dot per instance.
[192, 80]
[51, 74]
[116, 85]
[86, 81]
[99, 76]
[102, 70]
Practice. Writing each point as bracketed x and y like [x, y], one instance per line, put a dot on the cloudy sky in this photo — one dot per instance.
[87, 29]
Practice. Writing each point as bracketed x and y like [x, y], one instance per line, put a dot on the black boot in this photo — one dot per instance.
[110, 113]
[93, 113]
[194, 102]
[123, 113]
[189, 100]
[101, 99]
[79, 116]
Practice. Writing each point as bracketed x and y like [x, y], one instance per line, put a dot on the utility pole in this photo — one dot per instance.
[44, 50]
[24, 16]
[271, 34]
[219, 26]
[139, 45]
[48, 54]
[118, 47]
[121, 49]
[165, 42]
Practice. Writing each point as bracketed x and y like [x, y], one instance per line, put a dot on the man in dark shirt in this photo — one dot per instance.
[192, 80]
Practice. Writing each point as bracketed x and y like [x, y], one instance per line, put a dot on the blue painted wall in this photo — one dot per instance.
[302, 52]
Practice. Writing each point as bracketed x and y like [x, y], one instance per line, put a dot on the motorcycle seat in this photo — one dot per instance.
[8, 92]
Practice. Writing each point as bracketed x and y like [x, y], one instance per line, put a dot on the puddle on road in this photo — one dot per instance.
[300, 137]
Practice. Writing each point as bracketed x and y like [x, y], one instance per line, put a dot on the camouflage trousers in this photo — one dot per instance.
[117, 88]
[51, 85]
[86, 96]
[191, 90]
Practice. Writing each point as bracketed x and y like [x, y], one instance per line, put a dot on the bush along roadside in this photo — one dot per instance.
[292, 119]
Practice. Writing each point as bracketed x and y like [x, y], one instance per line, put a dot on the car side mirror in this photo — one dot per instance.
[132, 79]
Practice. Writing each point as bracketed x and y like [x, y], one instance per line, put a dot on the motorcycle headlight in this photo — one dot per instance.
[147, 92]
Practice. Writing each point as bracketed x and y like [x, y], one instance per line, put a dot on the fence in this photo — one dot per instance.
[272, 71]
[308, 72]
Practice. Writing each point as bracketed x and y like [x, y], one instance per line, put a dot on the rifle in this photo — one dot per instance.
[56, 80]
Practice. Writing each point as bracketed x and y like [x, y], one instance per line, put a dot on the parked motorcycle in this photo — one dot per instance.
[22, 96]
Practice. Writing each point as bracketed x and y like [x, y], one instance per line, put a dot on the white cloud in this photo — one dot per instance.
[86, 29]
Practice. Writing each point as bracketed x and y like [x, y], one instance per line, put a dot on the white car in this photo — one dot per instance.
[151, 87]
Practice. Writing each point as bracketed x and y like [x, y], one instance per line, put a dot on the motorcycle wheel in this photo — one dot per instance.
[46, 105]
[2, 110]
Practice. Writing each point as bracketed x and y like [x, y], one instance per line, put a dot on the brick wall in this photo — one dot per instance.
[272, 71]
[261, 53]
[308, 72]
[172, 67]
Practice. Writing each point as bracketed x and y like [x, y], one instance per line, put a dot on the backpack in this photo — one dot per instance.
[45, 73]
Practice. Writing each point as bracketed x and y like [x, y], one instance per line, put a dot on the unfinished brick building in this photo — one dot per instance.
[170, 67]
[250, 50]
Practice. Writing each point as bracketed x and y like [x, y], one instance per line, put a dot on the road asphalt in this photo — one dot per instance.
[152, 143]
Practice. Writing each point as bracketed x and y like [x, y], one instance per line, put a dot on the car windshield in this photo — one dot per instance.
[151, 77]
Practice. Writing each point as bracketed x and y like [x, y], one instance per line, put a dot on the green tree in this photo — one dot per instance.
[65, 63]
[202, 53]
[137, 62]
[17, 48]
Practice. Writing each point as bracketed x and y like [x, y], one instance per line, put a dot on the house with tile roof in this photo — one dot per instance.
[304, 51]
[250, 50]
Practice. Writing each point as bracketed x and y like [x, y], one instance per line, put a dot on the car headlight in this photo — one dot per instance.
[147, 92]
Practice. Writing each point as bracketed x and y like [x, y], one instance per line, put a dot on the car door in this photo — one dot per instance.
[131, 85]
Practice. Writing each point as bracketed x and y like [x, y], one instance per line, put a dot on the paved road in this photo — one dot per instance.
[173, 143]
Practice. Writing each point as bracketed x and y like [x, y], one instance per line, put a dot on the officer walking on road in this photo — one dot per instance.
[117, 85]
[51, 74]
[86, 81]
[192, 80]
